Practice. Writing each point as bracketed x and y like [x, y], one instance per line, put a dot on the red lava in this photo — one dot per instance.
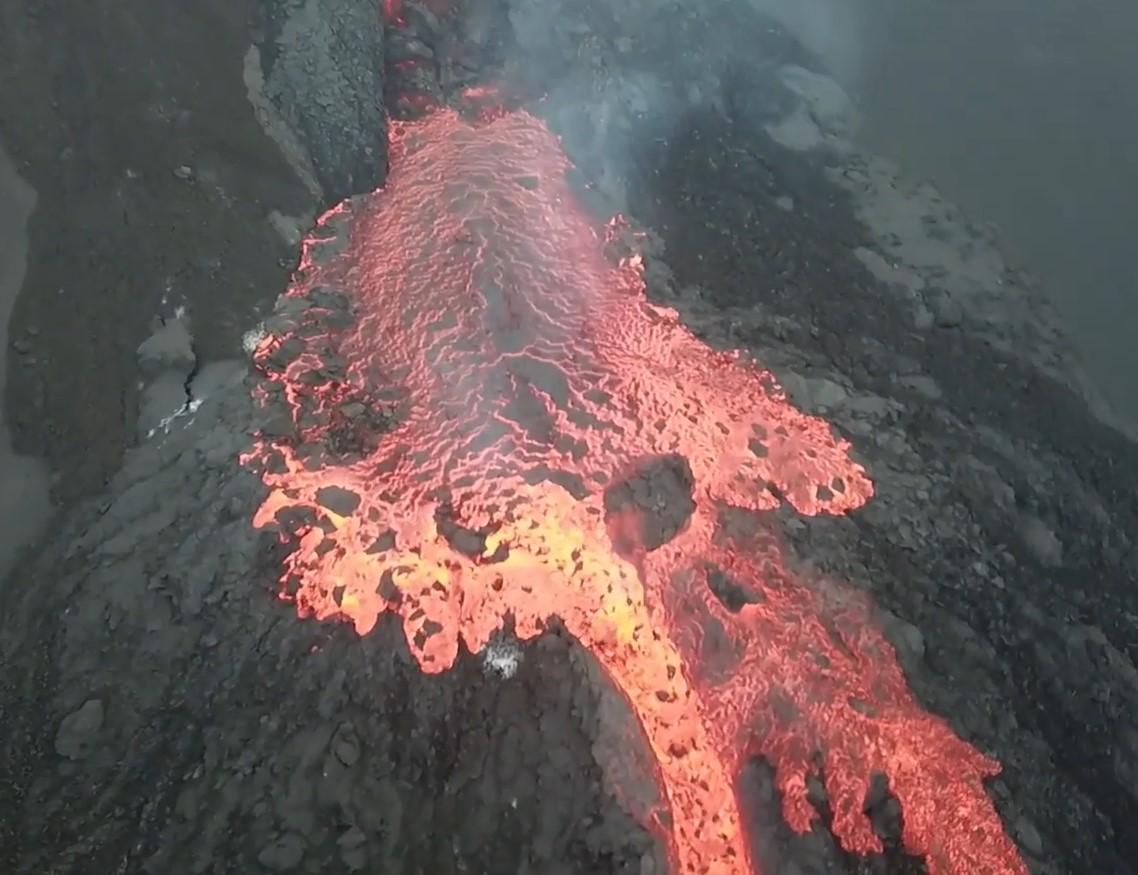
[533, 373]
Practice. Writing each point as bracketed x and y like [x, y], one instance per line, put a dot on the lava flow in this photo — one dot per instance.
[514, 382]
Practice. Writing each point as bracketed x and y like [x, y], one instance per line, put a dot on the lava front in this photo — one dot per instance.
[512, 377]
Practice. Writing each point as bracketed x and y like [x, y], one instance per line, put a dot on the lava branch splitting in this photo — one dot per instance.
[528, 376]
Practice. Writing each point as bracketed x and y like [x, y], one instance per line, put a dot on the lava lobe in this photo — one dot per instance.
[546, 442]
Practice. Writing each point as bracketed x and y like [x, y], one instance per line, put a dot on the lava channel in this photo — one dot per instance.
[512, 377]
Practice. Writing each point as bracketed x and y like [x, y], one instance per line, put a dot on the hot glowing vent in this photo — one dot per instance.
[529, 385]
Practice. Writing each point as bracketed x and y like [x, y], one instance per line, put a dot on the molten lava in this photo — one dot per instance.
[527, 379]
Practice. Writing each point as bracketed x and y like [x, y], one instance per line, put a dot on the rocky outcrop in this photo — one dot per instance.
[322, 63]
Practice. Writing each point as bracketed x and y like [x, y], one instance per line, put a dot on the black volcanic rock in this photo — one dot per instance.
[323, 69]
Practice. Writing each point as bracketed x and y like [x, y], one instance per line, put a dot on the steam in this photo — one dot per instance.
[618, 76]
[831, 30]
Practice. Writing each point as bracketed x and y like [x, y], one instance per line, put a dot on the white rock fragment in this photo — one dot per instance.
[188, 409]
[501, 658]
[252, 338]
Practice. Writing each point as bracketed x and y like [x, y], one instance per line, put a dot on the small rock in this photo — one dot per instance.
[328, 248]
[346, 745]
[285, 354]
[906, 366]
[353, 848]
[184, 172]
[1029, 837]
[283, 853]
[290, 306]
[816, 791]
[1126, 757]
[467, 542]
[814, 393]
[337, 499]
[383, 543]
[906, 638]
[329, 298]
[277, 425]
[883, 809]
[924, 385]
[78, 729]
[872, 406]
[949, 313]
[1041, 542]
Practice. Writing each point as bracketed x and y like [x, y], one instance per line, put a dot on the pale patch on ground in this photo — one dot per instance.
[187, 409]
[922, 231]
[797, 131]
[892, 272]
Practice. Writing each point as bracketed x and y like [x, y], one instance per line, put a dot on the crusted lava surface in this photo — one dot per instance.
[543, 409]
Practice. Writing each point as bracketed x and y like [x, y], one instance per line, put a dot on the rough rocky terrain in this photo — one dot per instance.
[143, 129]
[164, 713]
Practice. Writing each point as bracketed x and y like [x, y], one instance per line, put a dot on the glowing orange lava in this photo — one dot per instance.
[527, 372]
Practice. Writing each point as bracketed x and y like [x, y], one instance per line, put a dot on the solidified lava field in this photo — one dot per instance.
[506, 434]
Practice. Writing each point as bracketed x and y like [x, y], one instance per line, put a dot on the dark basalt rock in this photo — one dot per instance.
[323, 67]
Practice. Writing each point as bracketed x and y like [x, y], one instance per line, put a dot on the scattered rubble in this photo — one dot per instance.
[78, 729]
